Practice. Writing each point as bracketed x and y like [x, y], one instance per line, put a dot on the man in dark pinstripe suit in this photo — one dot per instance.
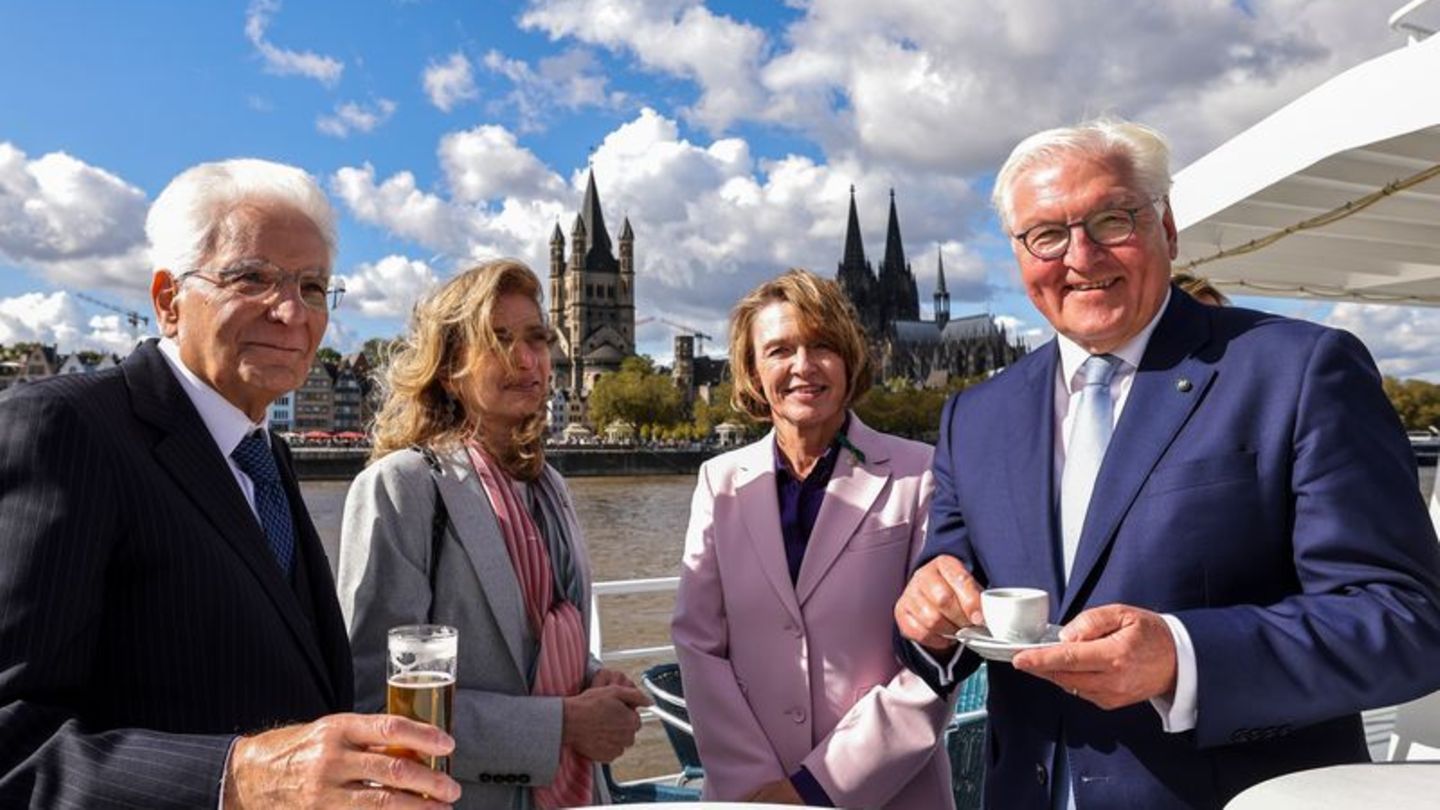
[169, 632]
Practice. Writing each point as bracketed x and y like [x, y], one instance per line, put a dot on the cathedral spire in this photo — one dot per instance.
[942, 297]
[894, 249]
[854, 247]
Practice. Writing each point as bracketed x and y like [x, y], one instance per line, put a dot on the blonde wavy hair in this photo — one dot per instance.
[451, 335]
[823, 311]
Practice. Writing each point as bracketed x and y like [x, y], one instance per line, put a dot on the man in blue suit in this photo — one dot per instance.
[1221, 503]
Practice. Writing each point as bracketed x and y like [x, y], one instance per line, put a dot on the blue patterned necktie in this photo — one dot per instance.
[1089, 436]
[271, 504]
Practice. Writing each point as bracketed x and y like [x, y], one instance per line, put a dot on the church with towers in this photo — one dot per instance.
[592, 306]
[888, 303]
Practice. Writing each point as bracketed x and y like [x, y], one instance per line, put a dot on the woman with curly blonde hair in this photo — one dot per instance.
[458, 520]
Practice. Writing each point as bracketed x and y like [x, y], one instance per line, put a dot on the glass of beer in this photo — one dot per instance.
[421, 679]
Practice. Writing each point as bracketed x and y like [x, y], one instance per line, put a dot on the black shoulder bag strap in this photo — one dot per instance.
[437, 525]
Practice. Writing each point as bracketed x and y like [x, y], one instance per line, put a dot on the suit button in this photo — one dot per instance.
[793, 630]
[524, 778]
[484, 778]
[798, 715]
[1040, 775]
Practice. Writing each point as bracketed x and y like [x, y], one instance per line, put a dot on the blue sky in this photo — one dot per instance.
[728, 132]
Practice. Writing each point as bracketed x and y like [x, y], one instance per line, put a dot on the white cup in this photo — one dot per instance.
[1017, 615]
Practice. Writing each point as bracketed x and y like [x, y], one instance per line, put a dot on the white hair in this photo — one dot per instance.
[183, 225]
[1144, 150]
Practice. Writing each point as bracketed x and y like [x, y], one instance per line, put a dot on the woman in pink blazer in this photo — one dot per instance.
[798, 547]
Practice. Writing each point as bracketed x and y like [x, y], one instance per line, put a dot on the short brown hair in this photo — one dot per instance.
[1199, 288]
[823, 311]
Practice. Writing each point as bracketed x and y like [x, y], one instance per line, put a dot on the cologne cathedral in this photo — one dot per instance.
[888, 303]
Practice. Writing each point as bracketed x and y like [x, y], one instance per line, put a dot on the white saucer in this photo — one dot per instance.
[978, 638]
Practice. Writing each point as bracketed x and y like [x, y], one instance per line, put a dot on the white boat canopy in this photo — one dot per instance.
[1335, 196]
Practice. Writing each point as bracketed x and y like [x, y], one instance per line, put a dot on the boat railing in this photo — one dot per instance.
[660, 653]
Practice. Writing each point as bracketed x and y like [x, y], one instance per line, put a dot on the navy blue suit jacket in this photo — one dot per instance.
[143, 620]
[1259, 487]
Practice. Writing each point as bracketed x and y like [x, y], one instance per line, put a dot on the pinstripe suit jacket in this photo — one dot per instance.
[143, 622]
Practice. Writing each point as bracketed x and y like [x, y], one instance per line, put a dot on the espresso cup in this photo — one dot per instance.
[1017, 615]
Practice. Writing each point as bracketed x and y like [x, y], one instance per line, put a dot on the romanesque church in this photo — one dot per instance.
[592, 307]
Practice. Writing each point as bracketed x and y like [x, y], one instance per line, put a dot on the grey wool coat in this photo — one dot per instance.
[506, 741]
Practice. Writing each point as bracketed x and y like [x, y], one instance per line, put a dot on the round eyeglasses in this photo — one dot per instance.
[259, 279]
[1108, 227]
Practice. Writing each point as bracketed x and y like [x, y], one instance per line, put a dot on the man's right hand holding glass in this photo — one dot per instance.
[339, 761]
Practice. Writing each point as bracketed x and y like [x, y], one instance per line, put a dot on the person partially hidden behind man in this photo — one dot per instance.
[163, 589]
[1221, 502]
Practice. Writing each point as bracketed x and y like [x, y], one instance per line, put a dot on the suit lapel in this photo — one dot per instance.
[473, 518]
[189, 454]
[1155, 410]
[852, 491]
[1030, 465]
[760, 507]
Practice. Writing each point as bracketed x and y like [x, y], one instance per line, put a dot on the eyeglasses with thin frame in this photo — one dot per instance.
[1109, 227]
[259, 279]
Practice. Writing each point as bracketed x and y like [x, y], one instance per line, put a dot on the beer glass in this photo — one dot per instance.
[420, 677]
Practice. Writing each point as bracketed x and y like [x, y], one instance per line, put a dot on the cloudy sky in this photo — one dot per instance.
[729, 132]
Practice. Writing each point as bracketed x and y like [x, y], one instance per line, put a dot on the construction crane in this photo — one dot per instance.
[700, 337]
[131, 315]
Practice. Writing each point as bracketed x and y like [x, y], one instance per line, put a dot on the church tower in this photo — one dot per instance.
[942, 298]
[899, 298]
[592, 296]
[857, 277]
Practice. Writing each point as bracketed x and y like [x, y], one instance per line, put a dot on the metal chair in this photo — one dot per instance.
[663, 683]
[1417, 730]
[646, 792]
[965, 743]
[973, 691]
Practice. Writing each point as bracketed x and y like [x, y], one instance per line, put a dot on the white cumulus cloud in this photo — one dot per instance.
[352, 116]
[71, 222]
[62, 320]
[711, 220]
[282, 61]
[387, 288]
[678, 37]
[450, 83]
[1402, 339]
[570, 81]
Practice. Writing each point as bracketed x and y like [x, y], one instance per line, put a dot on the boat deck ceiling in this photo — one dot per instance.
[1372, 128]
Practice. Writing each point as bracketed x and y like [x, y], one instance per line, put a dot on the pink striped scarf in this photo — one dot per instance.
[556, 622]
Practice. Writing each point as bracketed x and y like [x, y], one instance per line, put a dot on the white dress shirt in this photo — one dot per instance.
[228, 425]
[1177, 713]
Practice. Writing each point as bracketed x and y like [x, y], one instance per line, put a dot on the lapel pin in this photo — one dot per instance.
[1183, 385]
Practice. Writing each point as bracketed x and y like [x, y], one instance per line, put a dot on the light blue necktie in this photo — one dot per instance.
[255, 459]
[1089, 436]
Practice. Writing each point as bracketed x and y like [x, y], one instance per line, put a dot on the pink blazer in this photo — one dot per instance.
[780, 675]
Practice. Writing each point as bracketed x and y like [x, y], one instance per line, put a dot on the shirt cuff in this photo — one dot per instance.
[225, 769]
[1179, 712]
[946, 670]
[809, 788]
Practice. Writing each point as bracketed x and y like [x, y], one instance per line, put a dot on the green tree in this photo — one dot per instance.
[327, 355]
[378, 350]
[910, 412]
[706, 415]
[636, 394]
[1416, 401]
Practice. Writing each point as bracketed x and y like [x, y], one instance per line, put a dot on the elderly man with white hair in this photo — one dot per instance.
[169, 631]
[1220, 502]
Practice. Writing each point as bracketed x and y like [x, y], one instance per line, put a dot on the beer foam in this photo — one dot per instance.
[424, 649]
[421, 680]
